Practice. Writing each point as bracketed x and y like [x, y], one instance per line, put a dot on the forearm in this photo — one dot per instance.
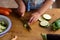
[20, 3]
[45, 6]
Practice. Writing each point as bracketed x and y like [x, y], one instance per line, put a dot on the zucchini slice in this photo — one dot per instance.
[1, 30]
[3, 27]
[41, 19]
[44, 23]
[47, 16]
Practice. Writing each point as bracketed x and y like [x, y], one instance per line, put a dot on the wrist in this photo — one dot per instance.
[40, 13]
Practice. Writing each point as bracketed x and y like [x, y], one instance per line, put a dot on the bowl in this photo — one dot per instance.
[8, 22]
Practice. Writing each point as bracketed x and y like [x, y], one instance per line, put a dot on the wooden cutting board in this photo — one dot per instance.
[35, 33]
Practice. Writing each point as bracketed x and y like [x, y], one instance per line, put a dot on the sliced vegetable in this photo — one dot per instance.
[41, 19]
[3, 27]
[47, 16]
[2, 22]
[1, 30]
[27, 26]
[44, 23]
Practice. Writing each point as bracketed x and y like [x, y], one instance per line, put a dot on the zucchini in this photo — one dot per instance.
[1, 30]
[44, 36]
[41, 19]
[44, 23]
[46, 16]
[56, 25]
[3, 27]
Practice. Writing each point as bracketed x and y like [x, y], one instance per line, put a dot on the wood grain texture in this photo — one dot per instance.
[35, 33]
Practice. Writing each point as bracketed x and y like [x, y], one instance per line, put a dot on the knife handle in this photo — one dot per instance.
[53, 36]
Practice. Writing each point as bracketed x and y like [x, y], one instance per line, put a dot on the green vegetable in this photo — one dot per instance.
[54, 27]
[44, 23]
[44, 36]
[46, 16]
[27, 26]
[3, 26]
[56, 24]
[1, 30]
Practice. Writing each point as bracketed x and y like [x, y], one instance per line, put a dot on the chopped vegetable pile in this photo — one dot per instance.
[3, 26]
[44, 20]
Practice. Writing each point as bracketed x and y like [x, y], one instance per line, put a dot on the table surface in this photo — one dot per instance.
[35, 33]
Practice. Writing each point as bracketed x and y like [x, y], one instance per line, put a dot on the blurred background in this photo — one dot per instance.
[12, 4]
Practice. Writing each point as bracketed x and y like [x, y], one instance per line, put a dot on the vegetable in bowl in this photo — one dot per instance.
[3, 26]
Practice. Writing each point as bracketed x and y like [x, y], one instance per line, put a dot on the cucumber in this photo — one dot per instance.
[44, 23]
[1, 30]
[2, 22]
[46, 16]
[41, 19]
[3, 27]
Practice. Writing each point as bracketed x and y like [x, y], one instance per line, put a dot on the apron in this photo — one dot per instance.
[33, 4]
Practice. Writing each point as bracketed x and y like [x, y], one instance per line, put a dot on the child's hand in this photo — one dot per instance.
[34, 18]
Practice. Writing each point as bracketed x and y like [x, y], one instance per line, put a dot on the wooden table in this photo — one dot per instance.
[35, 33]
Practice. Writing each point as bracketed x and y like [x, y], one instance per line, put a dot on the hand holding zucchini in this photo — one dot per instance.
[5, 11]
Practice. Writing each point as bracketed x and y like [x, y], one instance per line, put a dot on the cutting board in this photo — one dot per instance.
[36, 30]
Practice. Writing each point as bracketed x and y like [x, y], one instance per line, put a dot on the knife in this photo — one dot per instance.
[25, 23]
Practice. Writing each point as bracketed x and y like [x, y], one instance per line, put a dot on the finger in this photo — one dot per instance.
[22, 14]
[34, 20]
[31, 19]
